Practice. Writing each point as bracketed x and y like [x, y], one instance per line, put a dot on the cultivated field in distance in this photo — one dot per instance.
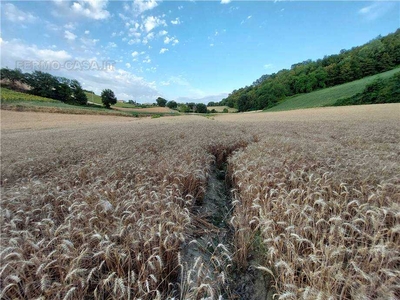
[156, 109]
[220, 109]
[301, 204]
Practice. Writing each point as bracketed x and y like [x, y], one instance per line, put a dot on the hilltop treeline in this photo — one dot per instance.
[379, 55]
[45, 85]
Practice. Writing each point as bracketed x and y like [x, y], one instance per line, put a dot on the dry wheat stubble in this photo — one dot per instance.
[101, 206]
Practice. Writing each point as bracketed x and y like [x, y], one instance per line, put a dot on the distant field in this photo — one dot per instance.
[7, 95]
[156, 109]
[329, 96]
[59, 107]
[221, 108]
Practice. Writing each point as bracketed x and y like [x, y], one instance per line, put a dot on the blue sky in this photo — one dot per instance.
[182, 50]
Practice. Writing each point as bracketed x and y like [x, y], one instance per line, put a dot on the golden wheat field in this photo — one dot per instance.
[289, 205]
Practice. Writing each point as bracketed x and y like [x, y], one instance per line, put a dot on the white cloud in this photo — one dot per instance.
[128, 65]
[172, 40]
[13, 14]
[163, 50]
[87, 31]
[376, 10]
[268, 66]
[89, 42]
[152, 22]
[147, 60]
[70, 26]
[92, 9]
[163, 32]
[150, 36]
[133, 32]
[249, 17]
[140, 6]
[112, 45]
[51, 26]
[14, 51]
[178, 80]
[135, 53]
[225, 1]
[180, 7]
[176, 21]
[134, 41]
[69, 35]
[123, 17]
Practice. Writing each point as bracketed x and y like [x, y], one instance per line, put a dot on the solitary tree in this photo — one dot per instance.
[161, 102]
[108, 98]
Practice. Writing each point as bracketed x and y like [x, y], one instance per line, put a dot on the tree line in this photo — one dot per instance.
[200, 108]
[45, 85]
[379, 55]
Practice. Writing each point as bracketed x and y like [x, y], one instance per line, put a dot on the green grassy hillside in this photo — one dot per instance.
[96, 99]
[93, 98]
[329, 96]
[7, 95]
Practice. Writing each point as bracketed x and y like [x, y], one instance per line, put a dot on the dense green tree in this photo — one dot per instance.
[191, 106]
[172, 104]
[108, 98]
[243, 103]
[183, 108]
[161, 102]
[43, 84]
[132, 102]
[63, 92]
[201, 108]
[79, 96]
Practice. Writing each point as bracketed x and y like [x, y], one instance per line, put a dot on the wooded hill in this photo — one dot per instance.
[379, 55]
